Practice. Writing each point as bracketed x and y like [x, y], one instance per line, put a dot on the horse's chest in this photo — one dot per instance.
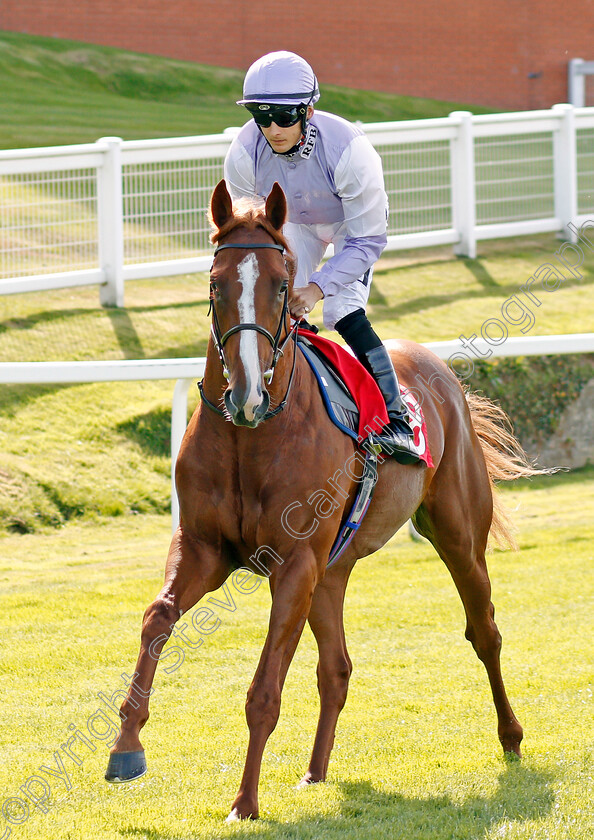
[247, 512]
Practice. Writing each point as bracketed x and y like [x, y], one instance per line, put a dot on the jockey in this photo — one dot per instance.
[333, 181]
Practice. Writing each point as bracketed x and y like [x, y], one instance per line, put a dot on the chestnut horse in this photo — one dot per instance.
[237, 480]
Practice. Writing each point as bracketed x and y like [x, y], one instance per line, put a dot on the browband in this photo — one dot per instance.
[249, 245]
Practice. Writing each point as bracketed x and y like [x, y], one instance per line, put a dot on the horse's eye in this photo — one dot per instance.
[283, 288]
[214, 289]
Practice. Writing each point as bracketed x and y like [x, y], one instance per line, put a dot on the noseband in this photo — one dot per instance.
[277, 347]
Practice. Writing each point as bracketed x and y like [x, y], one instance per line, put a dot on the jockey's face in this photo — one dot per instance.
[283, 139]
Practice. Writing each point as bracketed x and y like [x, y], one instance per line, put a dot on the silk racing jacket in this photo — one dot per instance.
[334, 187]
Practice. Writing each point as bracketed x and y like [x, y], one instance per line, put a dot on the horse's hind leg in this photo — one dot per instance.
[191, 571]
[334, 666]
[456, 517]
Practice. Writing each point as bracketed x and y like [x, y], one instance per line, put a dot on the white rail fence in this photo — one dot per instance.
[113, 211]
[186, 371]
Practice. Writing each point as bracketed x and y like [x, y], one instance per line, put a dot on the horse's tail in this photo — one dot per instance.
[504, 456]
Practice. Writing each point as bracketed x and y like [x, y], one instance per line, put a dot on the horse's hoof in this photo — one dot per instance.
[307, 781]
[511, 743]
[235, 816]
[125, 766]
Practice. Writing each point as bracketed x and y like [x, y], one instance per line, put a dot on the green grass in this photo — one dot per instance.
[55, 91]
[94, 450]
[439, 298]
[416, 755]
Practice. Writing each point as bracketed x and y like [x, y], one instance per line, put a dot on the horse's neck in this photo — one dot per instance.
[297, 449]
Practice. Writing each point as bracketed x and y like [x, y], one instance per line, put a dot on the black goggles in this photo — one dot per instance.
[282, 115]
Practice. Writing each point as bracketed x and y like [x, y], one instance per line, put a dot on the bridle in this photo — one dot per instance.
[275, 340]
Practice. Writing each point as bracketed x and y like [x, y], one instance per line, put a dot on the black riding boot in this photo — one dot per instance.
[396, 438]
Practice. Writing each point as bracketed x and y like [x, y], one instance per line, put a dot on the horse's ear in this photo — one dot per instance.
[221, 206]
[276, 206]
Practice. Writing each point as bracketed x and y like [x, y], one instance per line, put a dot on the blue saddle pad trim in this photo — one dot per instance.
[358, 511]
[319, 368]
[336, 398]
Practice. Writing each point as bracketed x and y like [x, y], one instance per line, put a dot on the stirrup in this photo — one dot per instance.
[396, 443]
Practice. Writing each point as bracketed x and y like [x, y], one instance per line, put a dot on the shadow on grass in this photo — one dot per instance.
[125, 333]
[48, 316]
[16, 397]
[490, 288]
[523, 794]
[481, 274]
[68, 334]
[151, 431]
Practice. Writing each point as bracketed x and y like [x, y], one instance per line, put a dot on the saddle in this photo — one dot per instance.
[340, 405]
[352, 398]
[357, 409]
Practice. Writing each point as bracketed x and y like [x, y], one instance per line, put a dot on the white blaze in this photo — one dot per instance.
[248, 339]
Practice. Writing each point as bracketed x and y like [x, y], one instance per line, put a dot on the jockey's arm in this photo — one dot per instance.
[240, 174]
[359, 182]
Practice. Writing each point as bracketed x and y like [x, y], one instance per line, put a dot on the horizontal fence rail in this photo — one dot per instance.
[115, 210]
[186, 371]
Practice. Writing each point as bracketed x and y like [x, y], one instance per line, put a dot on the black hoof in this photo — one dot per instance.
[125, 766]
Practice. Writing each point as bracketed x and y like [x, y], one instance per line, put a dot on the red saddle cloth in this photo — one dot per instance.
[361, 384]
[367, 395]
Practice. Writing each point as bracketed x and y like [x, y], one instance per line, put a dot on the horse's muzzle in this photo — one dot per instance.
[243, 410]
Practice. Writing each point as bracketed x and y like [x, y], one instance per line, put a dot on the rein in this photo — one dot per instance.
[275, 342]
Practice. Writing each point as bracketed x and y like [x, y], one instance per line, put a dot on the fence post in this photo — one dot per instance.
[576, 83]
[111, 222]
[463, 185]
[565, 170]
[179, 422]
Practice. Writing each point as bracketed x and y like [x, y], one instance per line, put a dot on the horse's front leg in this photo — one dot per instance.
[192, 570]
[292, 586]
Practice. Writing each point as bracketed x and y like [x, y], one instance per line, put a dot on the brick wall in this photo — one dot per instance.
[508, 54]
